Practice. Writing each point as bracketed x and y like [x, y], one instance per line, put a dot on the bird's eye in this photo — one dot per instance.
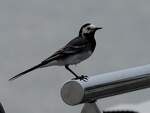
[88, 28]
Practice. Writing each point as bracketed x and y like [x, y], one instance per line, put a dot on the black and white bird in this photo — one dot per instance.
[76, 51]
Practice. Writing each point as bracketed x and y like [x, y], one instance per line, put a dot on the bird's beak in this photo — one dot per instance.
[97, 28]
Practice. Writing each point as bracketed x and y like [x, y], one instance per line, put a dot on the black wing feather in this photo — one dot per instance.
[73, 47]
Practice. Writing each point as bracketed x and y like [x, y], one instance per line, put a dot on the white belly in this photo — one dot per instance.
[77, 58]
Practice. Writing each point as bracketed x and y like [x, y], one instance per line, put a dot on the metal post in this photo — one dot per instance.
[105, 85]
[90, 108]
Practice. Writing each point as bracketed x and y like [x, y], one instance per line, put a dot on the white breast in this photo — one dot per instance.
[75, 59]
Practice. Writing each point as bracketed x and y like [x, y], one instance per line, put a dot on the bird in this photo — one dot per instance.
[77, 50]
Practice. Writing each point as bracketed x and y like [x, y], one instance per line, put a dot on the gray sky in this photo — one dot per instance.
[30, 31]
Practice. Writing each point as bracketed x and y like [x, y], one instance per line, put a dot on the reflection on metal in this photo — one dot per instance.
[105, 85]
[90, 108]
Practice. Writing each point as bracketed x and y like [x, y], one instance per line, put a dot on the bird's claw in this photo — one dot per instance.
[82, 77]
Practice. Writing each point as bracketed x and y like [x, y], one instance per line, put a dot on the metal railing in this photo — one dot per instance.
[104, 85]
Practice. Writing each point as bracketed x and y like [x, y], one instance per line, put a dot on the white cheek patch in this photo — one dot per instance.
[85, 31]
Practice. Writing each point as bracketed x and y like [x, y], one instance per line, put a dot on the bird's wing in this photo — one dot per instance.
[73, 47]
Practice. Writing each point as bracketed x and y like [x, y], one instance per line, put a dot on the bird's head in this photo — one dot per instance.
[88, 29]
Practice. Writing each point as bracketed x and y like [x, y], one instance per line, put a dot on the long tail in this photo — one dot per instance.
[26, 71]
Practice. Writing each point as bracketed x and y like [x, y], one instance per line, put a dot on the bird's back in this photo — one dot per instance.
[73, 52]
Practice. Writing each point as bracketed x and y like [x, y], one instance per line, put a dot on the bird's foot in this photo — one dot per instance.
[82, 77]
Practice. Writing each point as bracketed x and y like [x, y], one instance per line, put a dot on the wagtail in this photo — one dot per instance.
[74, 52]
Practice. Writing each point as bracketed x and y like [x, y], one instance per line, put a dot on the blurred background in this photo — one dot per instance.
[31, 30]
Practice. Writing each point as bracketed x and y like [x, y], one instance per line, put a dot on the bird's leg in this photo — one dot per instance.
[82, 77]
[67, 67]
